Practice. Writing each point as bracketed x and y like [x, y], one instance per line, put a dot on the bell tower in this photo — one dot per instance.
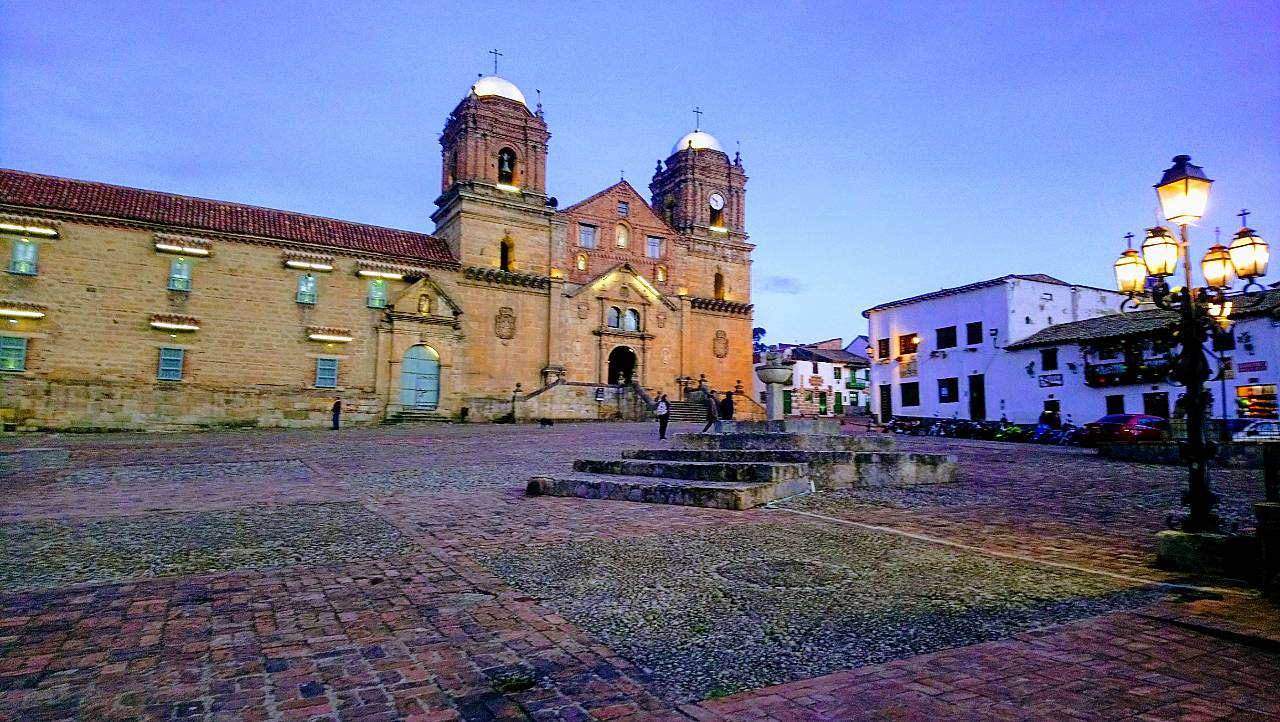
[699, 191]
[493, 208]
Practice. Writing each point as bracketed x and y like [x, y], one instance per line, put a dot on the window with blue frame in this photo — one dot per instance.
[170, 368]
[326, 373]
[180, 275]
[23, 259]
[13, 353]
[306, 288]
[377, 293]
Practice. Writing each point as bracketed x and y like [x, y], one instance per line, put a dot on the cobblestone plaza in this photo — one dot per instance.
[401, 573]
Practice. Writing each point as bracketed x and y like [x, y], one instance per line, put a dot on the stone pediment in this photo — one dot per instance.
[624, 282]
[425, 299]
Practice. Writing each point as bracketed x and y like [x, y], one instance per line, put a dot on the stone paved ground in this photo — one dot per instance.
[380, 574]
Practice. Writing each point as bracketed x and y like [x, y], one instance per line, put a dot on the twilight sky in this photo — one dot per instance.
[892, 148]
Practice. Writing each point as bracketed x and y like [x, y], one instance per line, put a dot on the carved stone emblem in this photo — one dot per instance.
[583, 310]
[625, 291]
[661, 320]
[504, 324]
[721, 344]
[424, 304]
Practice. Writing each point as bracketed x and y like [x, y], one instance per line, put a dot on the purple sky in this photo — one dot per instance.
[893, 149]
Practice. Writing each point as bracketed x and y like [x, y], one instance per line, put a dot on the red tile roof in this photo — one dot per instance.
[30, 190]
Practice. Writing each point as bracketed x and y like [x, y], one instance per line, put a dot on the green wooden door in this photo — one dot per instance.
[822, 403]
[786, 402]
[839, 403]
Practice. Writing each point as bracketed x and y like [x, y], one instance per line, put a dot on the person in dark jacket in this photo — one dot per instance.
[713, 410]
[663, 411]
[726, 406]
[337, 413]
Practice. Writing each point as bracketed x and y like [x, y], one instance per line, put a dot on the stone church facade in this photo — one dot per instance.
[124, 308]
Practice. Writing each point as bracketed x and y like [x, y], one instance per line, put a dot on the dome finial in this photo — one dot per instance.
[495, 55]
[697, 118]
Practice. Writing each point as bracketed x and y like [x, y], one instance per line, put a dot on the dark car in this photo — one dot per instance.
[1125, 429]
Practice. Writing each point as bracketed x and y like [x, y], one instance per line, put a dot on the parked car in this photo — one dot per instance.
[1264, 430]
[1125, 429]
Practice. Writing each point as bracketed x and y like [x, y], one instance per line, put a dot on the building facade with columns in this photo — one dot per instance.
[124, 308]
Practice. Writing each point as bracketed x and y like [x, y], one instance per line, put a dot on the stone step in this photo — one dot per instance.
[650, 490]
[417, 417]
[785, 441]
[828, 469]
[723, 471]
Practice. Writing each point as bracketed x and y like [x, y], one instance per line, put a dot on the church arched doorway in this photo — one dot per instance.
[420, 378]
[622, 365]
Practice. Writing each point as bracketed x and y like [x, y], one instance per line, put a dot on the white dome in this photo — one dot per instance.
[501, 87]
[700, 139]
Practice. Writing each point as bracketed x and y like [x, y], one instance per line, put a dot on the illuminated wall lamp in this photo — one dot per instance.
[508, 188]
[33, 230]
[309, 266]
[171, 248]
[20, 313]
[718, 229]
[329, 337]
[380, 274]
[165, 325]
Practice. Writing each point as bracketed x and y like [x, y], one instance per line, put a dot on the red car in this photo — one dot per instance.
[1125, 429]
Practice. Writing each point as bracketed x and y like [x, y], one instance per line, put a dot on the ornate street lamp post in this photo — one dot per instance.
[1203, 312]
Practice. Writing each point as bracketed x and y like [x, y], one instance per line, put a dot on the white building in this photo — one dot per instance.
[1120, 364]
[941, 354]
[1014, 346]
[827, 380]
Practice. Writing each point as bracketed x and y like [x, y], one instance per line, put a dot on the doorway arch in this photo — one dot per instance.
[420, 378]
[622, 365]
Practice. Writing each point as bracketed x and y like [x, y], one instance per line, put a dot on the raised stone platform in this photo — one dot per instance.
[710, 494]
[746, 464]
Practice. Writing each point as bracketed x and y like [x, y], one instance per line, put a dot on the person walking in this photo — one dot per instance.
[337, 413]
[726, 407]
[713, 410]
[663, 411]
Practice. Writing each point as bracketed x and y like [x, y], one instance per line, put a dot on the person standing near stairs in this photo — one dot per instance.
[713, 409]
[663, 411]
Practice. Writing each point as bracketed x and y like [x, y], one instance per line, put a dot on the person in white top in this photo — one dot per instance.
[663, 411]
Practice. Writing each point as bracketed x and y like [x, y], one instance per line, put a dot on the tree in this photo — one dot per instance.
[757, 344]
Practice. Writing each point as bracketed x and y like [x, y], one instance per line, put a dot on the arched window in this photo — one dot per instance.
[615, 317]
[661, 274]
[717, 218]
[507, 167]
[452, 166]
[506, 254]
[631, 321]
[621, 236]
[719, 295]
[582, 261]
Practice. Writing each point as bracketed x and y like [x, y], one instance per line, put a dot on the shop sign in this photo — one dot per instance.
[1047, 380]
[1249, 367]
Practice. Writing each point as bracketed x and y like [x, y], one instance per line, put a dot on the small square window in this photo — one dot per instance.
[908, 343]
[624, 209]
[835, 371]
[377, 293]
[23, 259]
[946, 337]
[306, 289]
[911, 394]
[326, 373]
[587, 235]
[170, 368]
[973, 333]
[1049, 359]
[180, 275]
[948, 390]
[13, 353]
[653, 247]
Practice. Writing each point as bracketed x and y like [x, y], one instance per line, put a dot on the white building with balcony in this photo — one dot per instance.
[827, 380]
[941, 354]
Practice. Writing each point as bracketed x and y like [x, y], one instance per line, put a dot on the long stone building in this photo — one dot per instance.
[124, 308]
